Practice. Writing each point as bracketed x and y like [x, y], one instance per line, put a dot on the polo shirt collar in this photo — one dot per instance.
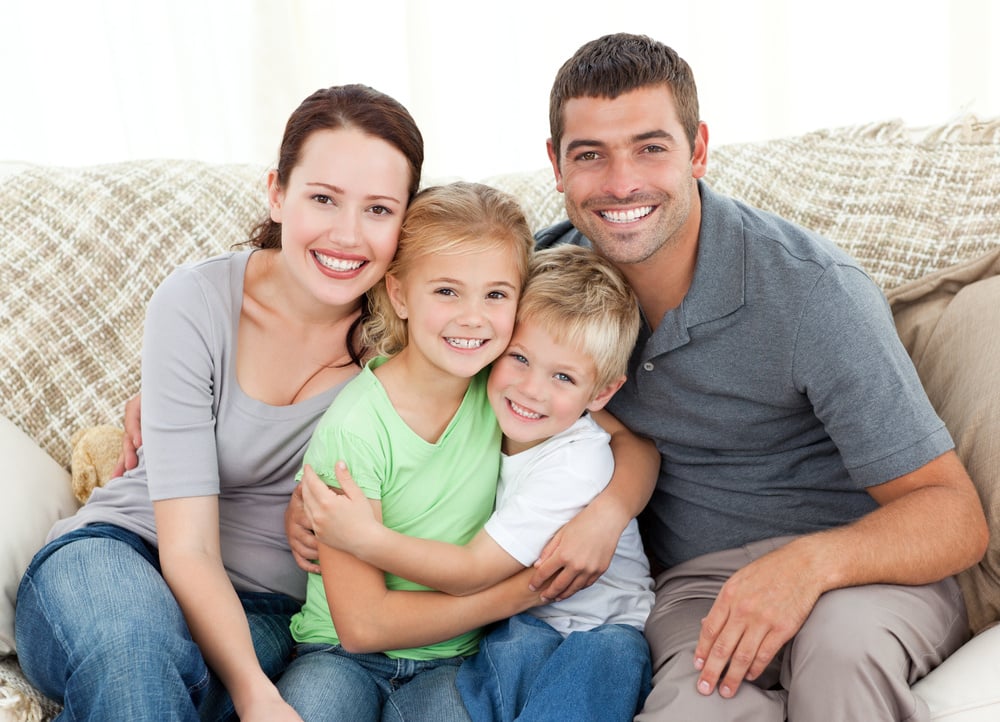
[719, 284]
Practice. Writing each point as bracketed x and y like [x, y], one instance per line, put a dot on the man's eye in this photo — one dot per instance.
[588, 155]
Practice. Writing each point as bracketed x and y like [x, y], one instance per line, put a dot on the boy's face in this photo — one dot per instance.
[539, 387]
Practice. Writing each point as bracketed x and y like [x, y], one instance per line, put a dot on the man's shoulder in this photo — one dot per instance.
[558, 234]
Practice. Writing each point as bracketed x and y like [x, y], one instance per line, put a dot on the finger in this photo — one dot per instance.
[565, 584]
[716, 644]
[739, 662]
[346, 481]
[305, 564]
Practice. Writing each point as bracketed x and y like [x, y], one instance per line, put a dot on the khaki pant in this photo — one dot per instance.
[853, 660]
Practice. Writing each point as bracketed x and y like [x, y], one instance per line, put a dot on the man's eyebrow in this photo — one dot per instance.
[657, 134]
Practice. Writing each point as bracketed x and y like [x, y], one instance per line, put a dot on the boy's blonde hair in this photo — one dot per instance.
[452, 219]
[583, 301]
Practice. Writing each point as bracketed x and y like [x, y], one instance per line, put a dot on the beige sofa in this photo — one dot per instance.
[81, 249]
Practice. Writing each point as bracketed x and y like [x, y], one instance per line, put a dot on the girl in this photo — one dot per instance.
[419, 435]
[118, 615]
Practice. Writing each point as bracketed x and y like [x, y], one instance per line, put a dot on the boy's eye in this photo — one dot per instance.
[563, 377]
[519, 358]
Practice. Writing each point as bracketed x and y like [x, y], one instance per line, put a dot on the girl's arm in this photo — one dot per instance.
[346, 521]
[371, 618]
[581, 551]
[191, 560]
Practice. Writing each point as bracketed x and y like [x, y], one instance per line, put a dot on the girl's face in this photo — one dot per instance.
[341, 212]
[459, 308]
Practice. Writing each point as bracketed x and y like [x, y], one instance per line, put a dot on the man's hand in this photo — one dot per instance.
[131, 439]
[576, 556]
[298, 529]
[758, 609]
[341, 520]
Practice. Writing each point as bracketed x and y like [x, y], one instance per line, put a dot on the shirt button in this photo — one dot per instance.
[648, 366]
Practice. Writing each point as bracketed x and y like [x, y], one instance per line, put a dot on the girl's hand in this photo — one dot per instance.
[342, 519]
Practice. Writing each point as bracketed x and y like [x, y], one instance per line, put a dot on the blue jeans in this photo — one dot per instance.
[526, 670]
[325, 682]
[98, 629]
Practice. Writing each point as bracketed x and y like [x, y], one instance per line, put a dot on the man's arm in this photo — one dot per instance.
[346, 521]
[929, 525]
[581, 551]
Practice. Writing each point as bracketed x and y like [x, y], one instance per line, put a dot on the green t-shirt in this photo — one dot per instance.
[442, 491]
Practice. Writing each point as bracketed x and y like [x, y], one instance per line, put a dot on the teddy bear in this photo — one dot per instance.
[95, 451]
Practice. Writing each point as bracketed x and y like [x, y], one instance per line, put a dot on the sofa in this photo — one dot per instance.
[82, 248]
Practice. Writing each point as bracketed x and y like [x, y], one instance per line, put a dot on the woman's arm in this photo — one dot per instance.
[581, 551]
[345, 520]
[191, 560]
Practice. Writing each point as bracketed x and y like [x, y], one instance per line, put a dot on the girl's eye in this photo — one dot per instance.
[563, 377]
[496, 294]
[446, 292]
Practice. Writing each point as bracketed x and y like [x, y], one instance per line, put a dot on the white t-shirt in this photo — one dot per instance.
[541, 489]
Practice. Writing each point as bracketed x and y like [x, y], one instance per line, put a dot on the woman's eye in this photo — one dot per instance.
[381, 211]
[320, 198]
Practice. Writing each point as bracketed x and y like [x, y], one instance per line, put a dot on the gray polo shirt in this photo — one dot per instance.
[777, 392]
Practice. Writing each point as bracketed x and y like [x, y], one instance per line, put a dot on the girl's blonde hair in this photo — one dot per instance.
[452, 219]
[582, 301]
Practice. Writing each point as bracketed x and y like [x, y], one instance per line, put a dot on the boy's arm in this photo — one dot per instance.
[346, 521]
[371, 618]
[581, 551]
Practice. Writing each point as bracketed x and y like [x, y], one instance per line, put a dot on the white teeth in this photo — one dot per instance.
[466, 342]
[521, 411]
[337, 264]
[633, 214]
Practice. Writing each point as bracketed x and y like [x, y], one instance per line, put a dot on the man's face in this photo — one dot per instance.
[628, 173]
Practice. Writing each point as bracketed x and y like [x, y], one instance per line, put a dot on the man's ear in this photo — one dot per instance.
[554, 160]
[275, 196]
[699, 158]
[604, 395]
[394, 287]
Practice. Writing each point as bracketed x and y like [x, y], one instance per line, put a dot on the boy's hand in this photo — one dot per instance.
[576, 556]
[298, 529]
[342, 520]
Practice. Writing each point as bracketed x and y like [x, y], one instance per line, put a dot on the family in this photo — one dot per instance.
[666, 460]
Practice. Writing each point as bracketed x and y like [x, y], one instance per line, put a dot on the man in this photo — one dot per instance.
[810, 509]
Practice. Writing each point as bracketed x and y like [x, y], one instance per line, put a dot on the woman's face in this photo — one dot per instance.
[341, 212]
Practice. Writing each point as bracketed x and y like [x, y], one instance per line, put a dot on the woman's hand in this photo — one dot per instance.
[298, 529]
[340, 518]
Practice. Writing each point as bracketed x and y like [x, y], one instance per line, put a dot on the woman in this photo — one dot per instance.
[242, 354]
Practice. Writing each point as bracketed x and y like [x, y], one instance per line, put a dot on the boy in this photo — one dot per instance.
[579, 658]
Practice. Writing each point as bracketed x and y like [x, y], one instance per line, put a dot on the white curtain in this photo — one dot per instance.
[94, 81]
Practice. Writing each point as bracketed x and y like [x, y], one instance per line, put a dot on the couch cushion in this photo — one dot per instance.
[903, 202]
[36, 492]
[950, 323]
[964, 688]
[81, 250]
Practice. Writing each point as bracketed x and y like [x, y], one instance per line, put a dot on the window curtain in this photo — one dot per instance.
[94, 81]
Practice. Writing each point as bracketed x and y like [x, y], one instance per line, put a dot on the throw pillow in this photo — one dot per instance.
[36, 492]
[949, 322]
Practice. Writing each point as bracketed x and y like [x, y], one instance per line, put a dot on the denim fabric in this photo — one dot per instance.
[98, 629]
[526, 670]
[325, 682]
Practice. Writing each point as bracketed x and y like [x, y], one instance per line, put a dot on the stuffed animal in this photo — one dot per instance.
[95, 452]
